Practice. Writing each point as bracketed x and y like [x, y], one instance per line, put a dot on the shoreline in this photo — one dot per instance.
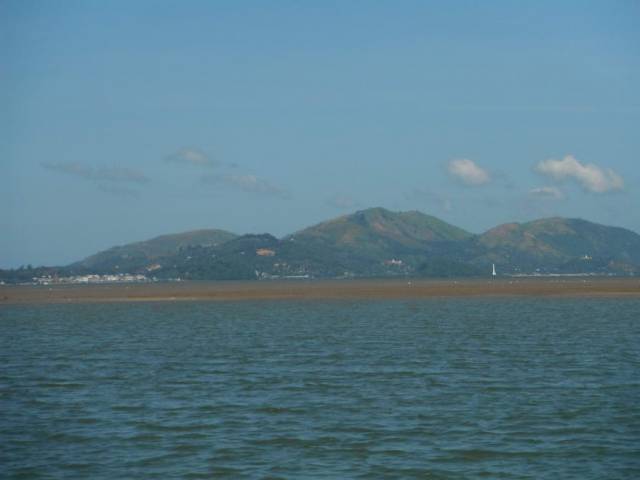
[319, 290]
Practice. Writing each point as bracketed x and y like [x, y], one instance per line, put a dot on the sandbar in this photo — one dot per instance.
[319, 290]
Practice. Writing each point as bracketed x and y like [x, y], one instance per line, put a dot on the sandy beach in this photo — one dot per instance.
[326, 289]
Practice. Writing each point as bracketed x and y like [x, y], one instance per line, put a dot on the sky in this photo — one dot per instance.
[125, 120]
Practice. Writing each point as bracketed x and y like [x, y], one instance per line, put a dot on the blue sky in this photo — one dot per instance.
[126, 120]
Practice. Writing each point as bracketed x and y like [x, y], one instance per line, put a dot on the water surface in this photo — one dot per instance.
[438, 388]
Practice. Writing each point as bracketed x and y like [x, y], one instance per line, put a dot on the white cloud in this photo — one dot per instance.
[548, 193]
[248, 183]
[191, 156]
[468, 172]
[591, 177]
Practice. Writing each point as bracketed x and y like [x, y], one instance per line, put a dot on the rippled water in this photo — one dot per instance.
[440, 388]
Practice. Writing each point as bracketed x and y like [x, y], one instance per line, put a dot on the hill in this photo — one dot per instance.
[378, 227]
[236, 259]
[559, 245]
[371, 243]
[377, 241]
[140, 256]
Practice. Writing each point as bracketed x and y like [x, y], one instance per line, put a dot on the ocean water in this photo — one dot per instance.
[438, 388]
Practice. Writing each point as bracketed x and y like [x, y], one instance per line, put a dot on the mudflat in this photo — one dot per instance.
[318, 289]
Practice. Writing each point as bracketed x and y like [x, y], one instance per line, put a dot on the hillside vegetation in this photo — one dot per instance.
[372, 243]
[137, 256]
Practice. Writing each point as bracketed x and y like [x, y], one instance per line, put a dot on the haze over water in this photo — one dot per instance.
[438, 388]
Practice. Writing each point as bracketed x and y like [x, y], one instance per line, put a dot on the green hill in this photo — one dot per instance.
[373, 242]
[370, 243]
[378, 226]
[236, 259]
[560, 245]
[139, 256]
[377, 241]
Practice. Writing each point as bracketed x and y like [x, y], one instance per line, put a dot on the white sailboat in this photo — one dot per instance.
[493, 273]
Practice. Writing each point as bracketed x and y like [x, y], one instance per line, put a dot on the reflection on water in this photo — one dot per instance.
[440, 388]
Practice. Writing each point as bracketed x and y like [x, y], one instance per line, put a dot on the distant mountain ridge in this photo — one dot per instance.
[375, 243]
[378, 224]
[564, 244]
[379, 242]
[140, 254]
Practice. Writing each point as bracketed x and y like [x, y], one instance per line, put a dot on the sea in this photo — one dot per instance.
[440, 388]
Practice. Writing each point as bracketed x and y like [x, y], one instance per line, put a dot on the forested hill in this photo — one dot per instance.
[370, 243]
